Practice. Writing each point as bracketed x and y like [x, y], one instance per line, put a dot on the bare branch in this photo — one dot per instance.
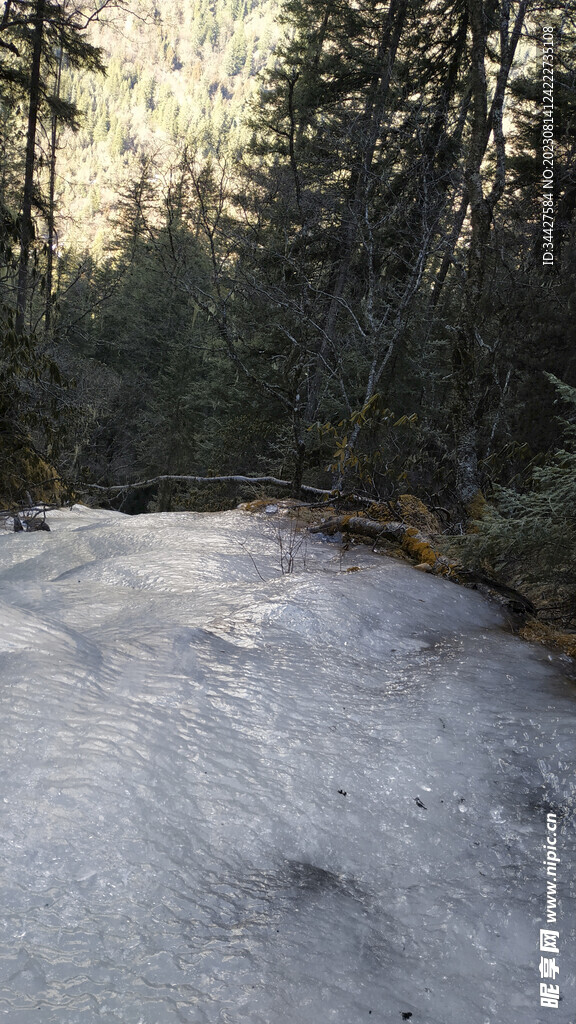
[200, 480]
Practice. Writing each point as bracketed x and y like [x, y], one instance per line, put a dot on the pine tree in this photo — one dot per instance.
[351, 191]
[36, 33]
[236, 52]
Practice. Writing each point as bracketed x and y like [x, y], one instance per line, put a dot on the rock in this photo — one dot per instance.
[32, 525]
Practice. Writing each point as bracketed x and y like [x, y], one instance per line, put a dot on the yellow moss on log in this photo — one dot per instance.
[380, 510]
[413, 511]
[418, 548]
[407, 508]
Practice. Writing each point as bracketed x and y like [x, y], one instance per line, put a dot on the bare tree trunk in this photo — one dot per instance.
[373, 117]
[6, 14]
[467, 355]
[51, 202]
[26, 225]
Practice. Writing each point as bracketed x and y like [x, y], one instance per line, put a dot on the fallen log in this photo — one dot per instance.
[360, 524]
[117, 488]
[418, 546]
[414, 543]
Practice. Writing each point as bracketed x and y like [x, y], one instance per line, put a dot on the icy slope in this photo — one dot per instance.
[213, 778]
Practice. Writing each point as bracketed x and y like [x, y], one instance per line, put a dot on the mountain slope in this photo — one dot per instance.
[178, 74]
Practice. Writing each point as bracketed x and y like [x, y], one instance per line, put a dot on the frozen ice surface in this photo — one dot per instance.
[234, 796]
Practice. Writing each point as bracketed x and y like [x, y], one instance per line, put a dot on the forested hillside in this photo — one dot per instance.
[177, 74]
[305, 242]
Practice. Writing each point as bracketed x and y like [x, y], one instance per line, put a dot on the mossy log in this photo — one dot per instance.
[360, 524]
[520, 611]
[414, 543]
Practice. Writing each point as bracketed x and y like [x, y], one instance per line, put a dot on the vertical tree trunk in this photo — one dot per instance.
[466, 356]
[464, 361]
[51, 201]
[6, 15]
[26, 225]
[373, 117]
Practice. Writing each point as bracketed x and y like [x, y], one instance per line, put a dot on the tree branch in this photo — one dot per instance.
[201, 480]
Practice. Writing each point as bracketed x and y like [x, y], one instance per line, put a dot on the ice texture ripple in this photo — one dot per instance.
[234, 795]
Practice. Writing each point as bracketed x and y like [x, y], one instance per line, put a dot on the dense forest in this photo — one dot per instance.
[329, 243]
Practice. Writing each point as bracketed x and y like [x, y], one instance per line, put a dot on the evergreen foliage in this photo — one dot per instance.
[529, 535]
